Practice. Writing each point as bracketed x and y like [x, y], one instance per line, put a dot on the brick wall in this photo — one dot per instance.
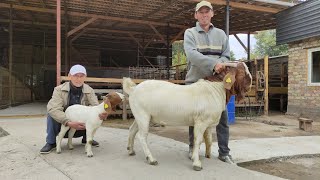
[303, 100]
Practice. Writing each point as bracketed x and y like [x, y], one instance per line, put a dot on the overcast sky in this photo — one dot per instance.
[236, 47]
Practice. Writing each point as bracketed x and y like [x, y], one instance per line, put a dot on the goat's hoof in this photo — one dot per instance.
[132, 153]
[71, 148]
[154, 162]
[208, 156]
[58, 152]
[197, 168]
[90, 154]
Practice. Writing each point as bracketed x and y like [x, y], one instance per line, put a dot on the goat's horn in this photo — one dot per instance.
[230, 64]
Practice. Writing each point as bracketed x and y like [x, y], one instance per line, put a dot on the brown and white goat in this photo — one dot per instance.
[199, 104]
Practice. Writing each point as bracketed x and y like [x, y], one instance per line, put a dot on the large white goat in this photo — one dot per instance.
[90, 116]
[199, 104]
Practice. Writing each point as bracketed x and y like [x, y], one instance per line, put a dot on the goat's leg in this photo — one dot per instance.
[198, 135]
[70, 136]
[59, 138]
[132, 134]
[143, 124]
[208, 141]
[88, 146]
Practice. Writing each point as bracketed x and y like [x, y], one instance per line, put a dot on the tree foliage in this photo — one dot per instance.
[178, 54]
[266, 45]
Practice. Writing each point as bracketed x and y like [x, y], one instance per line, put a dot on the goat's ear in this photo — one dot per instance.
[229, 80]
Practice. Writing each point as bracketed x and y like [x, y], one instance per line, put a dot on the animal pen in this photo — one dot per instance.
[41, 39]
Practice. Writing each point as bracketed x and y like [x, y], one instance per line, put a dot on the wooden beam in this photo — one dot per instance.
[239, 40]
[176, 13]
[44, 5]
[11, 90]
[135, 40]
[266, 93]
[116, 80]
[79, 54]
[165, 6]
[275, 2]
[81, 26]
[242, 6]
[79, 14]
[156, 31]
[177, 36]
[150, 41]
[30, 13]
[78, 35]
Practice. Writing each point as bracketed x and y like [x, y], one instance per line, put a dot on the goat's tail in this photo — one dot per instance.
[128, 85]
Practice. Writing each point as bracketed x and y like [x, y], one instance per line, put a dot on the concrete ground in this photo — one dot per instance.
[20, 158]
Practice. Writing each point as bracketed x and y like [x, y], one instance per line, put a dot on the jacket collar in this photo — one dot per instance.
[66, 87]
[199, 28]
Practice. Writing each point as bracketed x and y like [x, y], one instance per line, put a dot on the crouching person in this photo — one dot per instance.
[65, 95]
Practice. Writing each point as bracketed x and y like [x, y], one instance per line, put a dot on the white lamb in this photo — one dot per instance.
[90, 116]
[199, 104]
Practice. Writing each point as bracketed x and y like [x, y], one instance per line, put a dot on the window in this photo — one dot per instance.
[314, 67]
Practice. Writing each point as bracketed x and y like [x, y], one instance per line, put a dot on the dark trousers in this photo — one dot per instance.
[222, 130]
[53, 129]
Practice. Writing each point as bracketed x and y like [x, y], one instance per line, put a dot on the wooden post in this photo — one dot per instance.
[58, 14]
[10, 58]
[266, 92]
[66, 43]
[256, 74]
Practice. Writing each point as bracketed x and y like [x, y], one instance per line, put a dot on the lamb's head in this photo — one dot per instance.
[236, 78]
[114, 98]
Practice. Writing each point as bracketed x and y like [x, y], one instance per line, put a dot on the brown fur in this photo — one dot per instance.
[112, 99]
[241, 85]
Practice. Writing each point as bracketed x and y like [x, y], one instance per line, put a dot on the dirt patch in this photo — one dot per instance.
[305, 167]
[3, 132]
[274, 125]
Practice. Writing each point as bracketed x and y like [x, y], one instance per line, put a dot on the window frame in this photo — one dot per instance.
[310, 51]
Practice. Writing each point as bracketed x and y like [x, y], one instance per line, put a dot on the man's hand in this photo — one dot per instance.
[76, 125]
[218, 67]
[103, 115]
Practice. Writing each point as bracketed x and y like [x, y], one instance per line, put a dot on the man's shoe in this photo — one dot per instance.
[227, 159]
[47, 148]
[94, 143]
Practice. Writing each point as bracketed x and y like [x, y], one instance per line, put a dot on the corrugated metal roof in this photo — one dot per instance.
[299, 22]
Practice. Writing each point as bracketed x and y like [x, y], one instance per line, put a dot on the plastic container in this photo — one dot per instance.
[231, 110]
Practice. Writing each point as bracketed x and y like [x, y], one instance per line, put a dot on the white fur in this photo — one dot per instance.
[86, 114]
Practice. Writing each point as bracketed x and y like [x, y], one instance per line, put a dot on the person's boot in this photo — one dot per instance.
[94, 143]
[47, 148]
[228, 159]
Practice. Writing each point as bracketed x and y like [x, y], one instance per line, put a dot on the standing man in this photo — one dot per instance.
[65, 95]
[206, 47]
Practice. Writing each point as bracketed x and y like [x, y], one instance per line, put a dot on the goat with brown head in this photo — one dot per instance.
[112, 100]
[236, 78]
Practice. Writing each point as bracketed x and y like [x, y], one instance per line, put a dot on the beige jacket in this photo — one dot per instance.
[60, 97]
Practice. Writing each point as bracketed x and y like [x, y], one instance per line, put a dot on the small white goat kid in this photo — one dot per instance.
[90, 116]
[199, 104]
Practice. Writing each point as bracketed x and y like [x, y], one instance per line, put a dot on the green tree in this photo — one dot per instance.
[178, 55]
[232, 56]
[266, 45]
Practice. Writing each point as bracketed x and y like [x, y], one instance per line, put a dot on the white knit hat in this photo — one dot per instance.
[77, 69]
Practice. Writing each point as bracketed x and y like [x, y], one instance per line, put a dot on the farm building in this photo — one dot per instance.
[41, 39]
[299, 26]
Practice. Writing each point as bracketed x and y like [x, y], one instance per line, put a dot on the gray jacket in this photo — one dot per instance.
[204, 51]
